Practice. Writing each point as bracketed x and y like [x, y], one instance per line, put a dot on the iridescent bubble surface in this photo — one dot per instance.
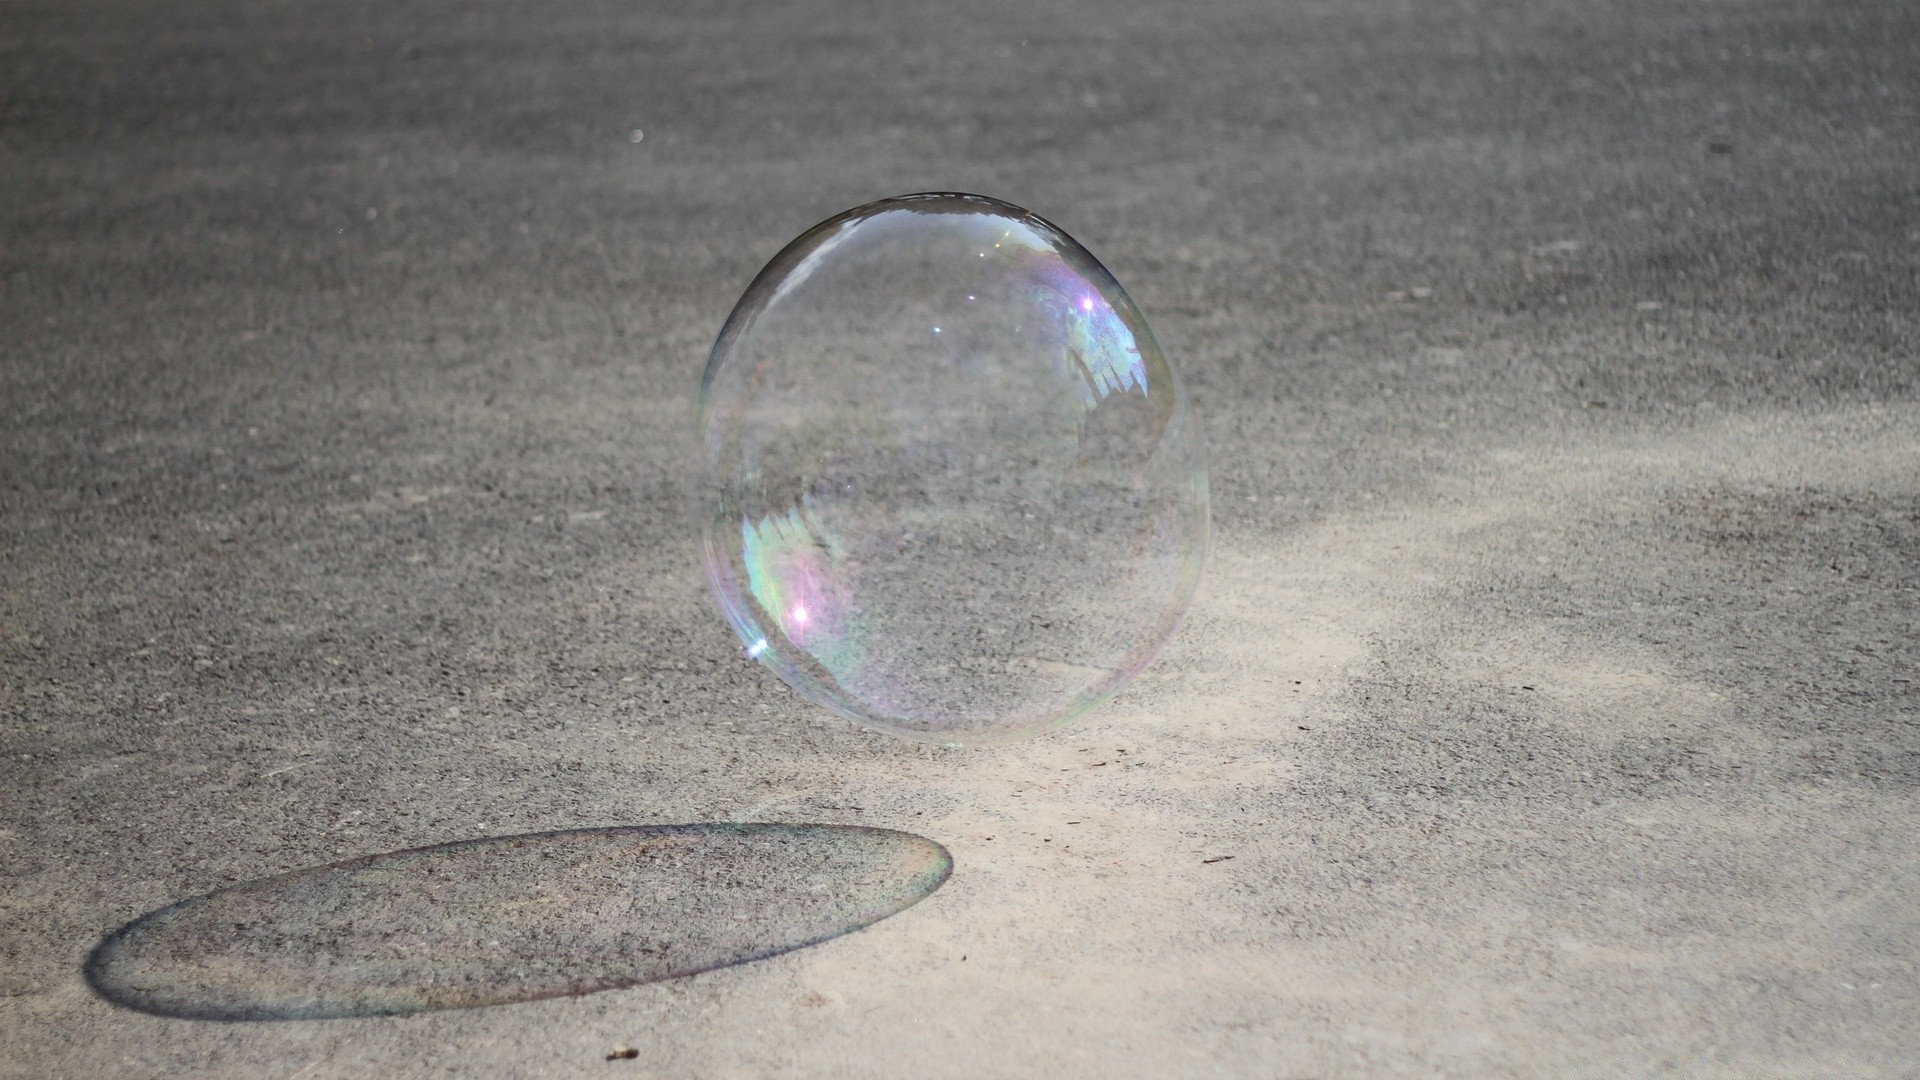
[953, 489]
[511, 918]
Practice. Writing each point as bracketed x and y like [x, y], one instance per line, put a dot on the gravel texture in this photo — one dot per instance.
[1549, 705]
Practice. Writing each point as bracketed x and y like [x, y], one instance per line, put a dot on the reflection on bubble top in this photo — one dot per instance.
[1100, 355]
[951, 487]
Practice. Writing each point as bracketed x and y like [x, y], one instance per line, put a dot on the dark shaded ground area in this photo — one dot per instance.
[1552, 689]
[510, 919]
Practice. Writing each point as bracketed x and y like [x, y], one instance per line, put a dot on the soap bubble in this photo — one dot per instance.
[953, 489]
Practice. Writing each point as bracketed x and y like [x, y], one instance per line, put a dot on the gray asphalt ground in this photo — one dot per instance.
[1549, 707]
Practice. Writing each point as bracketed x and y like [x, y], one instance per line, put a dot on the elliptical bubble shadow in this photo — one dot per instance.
[508, 919]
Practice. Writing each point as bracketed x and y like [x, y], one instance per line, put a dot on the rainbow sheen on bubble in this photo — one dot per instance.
[952, 487]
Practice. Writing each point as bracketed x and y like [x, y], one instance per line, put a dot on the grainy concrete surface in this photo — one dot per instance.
[1552, 689]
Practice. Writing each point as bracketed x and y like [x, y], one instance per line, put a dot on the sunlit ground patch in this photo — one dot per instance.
[511, 918]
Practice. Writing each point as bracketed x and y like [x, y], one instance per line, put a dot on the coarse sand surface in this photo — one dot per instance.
[1548, 707]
